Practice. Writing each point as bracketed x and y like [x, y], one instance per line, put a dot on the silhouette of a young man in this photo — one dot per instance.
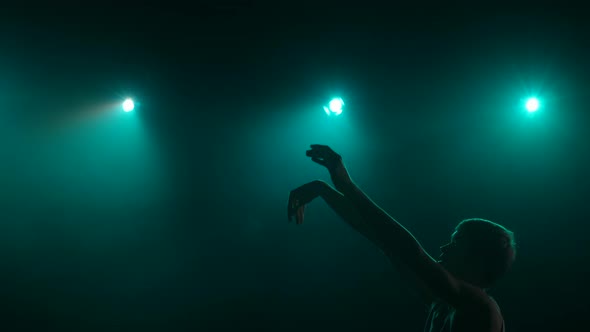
[454, 288]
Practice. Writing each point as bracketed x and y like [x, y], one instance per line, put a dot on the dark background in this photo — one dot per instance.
[173, 217]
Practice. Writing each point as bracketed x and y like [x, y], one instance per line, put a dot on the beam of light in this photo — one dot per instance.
[128, 105]
[334, 107]
[532, 105]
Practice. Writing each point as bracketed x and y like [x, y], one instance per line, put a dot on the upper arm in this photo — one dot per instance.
[440, 284]
[420, 288]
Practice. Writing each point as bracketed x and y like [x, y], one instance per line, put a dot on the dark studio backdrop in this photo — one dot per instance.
[173, 217]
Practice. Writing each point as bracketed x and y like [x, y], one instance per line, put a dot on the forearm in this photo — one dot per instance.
[345, 209]
[396, 239]
[349, 213]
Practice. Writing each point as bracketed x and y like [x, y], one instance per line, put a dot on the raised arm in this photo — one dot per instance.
[398, 242]
[343, 208]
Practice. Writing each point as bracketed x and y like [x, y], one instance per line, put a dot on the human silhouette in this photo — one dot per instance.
[454, 287]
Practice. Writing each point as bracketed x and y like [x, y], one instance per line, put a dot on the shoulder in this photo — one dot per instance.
[480, 312]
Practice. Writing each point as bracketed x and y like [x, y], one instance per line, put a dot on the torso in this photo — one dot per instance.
[444, 318]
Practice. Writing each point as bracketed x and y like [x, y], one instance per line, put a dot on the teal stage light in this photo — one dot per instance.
[532, 105]
[334, 107]
[128, 105]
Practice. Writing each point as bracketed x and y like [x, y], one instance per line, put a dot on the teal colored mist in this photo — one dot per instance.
[173, 217]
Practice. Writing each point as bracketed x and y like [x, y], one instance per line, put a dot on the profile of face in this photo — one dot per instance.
[478, 252]
[453, 254]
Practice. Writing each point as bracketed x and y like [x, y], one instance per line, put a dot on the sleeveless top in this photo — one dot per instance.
[440, 318]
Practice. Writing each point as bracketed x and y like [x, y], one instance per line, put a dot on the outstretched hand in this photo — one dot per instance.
[299, 197]
[325, 156]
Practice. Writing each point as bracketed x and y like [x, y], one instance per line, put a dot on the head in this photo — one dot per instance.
[480, 252]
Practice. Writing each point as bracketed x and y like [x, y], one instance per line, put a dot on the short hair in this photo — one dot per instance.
[493, 247]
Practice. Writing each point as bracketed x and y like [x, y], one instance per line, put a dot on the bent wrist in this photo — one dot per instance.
[340, 177]
[321, 187]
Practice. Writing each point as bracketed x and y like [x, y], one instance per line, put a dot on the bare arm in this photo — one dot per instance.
[348, 213]
[340, 204]
[398, 242]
